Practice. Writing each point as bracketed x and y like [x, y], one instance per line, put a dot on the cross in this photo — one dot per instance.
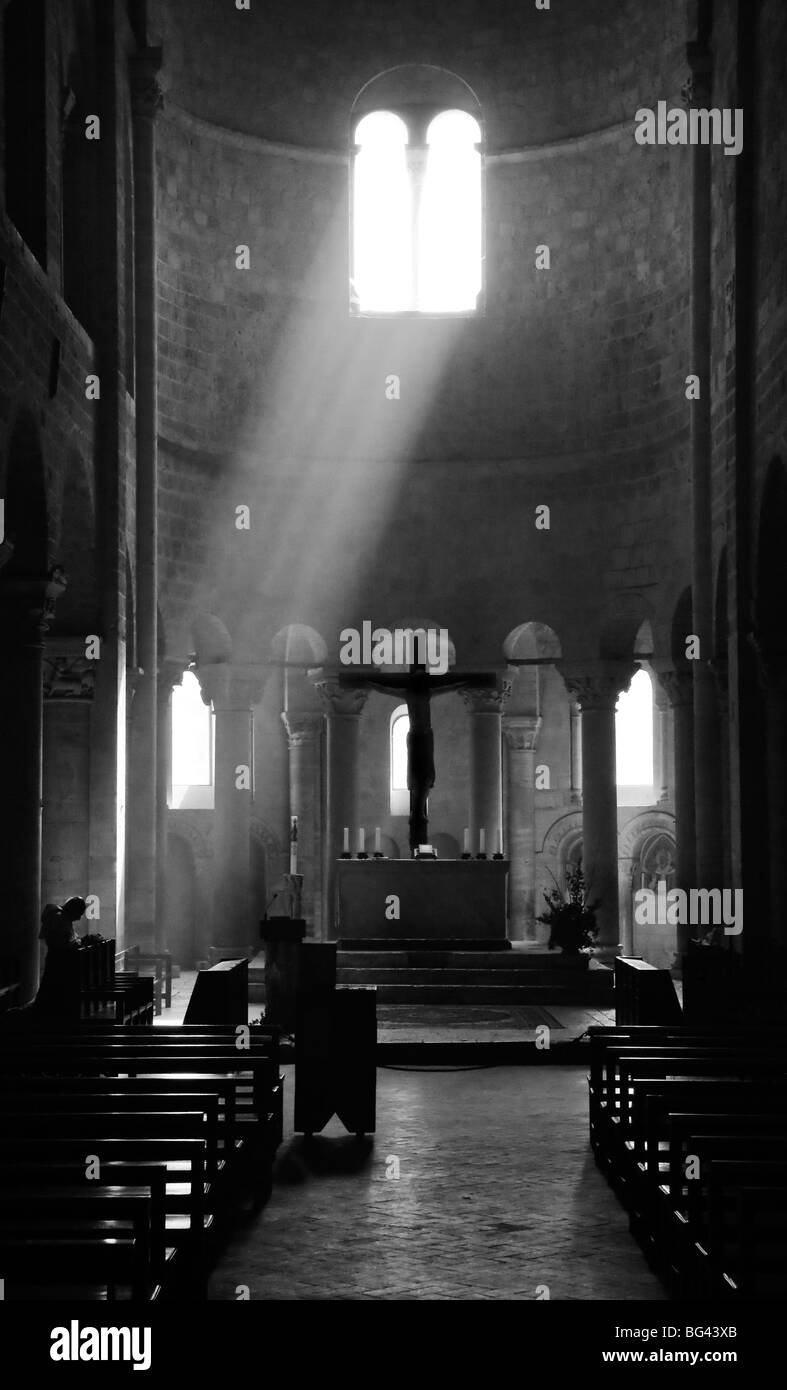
[418, 688]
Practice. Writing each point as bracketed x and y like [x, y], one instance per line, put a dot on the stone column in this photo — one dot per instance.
[575, 726]
[146, 102]
[232, 689]
[26, 605]
[486, 769]
[170, 673]
[773, 679]
[69, 680]
[344, 709]
[722, 688]
[521, 734]
[662, 738]
[303, 743]
[679, 691]
[597, 688]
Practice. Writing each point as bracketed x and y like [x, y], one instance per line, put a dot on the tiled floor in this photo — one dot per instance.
[469, 1023]
[497, 1196]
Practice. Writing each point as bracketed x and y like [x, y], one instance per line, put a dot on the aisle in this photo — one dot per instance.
[497, 1194]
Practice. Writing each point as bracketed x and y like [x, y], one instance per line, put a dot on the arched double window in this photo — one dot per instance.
[417, 213]
[399, 729]
[634, 742]
[192, 747]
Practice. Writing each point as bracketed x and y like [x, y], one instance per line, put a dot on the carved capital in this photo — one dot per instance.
[68, 673]
[171, 670]
[28, 604]
[521, 732]
[147, 96]
[302, 729]
[229, 686]
[771, 663]
[678, 686]
[597, 685]
[340, 702]
[487, 701]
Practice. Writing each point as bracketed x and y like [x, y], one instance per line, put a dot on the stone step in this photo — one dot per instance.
[470, 977]
[529, 961]
[547, 995]
[420, 943]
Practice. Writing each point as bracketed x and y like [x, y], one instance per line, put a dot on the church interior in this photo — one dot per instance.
[321, 327]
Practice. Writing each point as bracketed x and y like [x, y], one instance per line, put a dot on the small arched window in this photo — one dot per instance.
[192, 747]
[634, 742]
[400, 727]
[417, 234]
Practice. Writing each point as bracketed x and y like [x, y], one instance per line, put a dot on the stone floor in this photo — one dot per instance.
[439, 1023]
[497, 1197]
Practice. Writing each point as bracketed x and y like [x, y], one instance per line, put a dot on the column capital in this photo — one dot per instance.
[487, 701]
[521, 732]
[677, 684]
[597, 684]
[230, 686]
[170, 672]
[29, 602]
[771, 664]
[301, 728]
[147, 95]
[68, 673]
[340, 702]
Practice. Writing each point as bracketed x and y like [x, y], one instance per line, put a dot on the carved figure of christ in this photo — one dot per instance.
[417, 689]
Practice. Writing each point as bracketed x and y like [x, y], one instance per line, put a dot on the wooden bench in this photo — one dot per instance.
[659, 1096]
[134, 1096]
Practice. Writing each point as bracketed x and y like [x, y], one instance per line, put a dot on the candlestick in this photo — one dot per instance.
[346, 844]
[466, 844]
[499, 851]
[294, 845]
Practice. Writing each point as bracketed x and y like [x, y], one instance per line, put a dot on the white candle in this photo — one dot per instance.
[482, 842]
[361, 841]
[377, 839]
[294, 846]
[500, 842]
[467, 841]
[346, 845]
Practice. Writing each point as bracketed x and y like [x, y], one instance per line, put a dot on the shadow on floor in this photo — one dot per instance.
[322, 1157]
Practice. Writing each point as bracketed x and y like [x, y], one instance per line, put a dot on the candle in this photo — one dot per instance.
[361, 841]
[466, 845]
[294, 846]
[346, 844]
[482, 841]
[500, 842]
[377, 840]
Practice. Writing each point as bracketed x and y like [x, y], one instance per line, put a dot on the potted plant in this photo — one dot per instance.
[571, 917]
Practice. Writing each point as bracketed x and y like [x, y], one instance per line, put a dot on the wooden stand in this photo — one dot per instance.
[221, 994]
[335, 1062]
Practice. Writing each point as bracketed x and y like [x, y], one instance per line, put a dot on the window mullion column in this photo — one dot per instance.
[417, 156]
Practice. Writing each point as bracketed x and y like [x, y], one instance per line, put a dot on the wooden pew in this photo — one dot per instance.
[657, 1096]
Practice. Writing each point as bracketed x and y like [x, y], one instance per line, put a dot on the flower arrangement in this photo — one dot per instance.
[571, 917]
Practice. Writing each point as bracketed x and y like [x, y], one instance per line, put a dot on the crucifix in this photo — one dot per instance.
[417, 688]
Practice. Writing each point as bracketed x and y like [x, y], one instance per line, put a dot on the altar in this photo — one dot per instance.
[424, 898]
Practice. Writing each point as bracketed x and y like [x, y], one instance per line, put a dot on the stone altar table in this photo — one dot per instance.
[454, 898]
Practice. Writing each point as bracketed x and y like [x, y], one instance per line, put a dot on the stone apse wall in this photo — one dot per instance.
[568, 390]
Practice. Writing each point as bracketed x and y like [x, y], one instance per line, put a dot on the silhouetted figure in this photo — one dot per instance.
[58, 992]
